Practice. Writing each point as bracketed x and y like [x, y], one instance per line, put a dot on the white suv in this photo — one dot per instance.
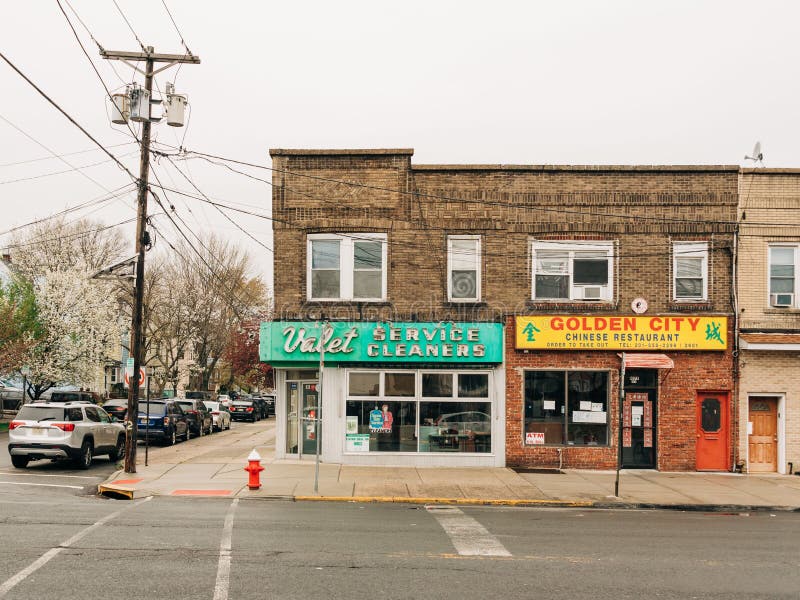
[74, 430]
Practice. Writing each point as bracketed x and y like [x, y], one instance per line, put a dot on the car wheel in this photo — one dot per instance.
[173, 437]
[20, 462]
[187, 433]
[119, 450]
[200, 431]
[84, 460]
[210, 428]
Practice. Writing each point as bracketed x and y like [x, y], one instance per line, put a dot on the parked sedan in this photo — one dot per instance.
[163, 421]
[200, 421]
[116, 408]
[221, 416]
[245, 410]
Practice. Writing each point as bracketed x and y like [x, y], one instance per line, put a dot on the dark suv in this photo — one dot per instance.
[162, 421]
[200, 420]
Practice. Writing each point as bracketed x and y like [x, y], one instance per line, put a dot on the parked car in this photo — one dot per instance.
[117, 407]
[200, 421]
[261, 405]
[162, 421]
[220, 415]
[225, 400]
[75, 430]
[10, 396]
[269, 400]
[198, 395]
[245, 410]
[77, 396]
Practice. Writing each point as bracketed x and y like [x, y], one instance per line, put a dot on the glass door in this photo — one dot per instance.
[310, 423]
[292, 423]
[302, 418]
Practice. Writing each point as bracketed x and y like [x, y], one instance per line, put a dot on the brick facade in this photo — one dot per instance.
[642, 210]
[769, 213]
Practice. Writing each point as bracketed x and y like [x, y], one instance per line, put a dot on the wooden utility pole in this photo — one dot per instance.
[142, 238]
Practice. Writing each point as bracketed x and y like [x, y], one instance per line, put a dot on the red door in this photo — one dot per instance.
[712, 432]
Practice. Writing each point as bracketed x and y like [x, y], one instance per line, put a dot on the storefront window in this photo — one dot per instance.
[566, 408]
[437, 385]
[399, 384]
[364, 384]
[390, 424]
[473, 385]
[429, 418]
[455, 427]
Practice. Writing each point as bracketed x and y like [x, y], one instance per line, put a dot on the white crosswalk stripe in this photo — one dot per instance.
[469, 537]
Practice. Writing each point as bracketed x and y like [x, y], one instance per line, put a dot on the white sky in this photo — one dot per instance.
[679, 82]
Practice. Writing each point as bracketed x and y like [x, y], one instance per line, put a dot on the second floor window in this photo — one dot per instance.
[690, 271]
[346, 266]
[783, 276]
[464, 268]
[572, 271]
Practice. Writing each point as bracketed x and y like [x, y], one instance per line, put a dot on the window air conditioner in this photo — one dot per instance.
[781, 300]
[589, 292]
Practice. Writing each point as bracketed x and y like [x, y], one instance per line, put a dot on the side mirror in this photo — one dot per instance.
[113, 418]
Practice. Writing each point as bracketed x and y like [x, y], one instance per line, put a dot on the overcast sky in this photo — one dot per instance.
[460, 82]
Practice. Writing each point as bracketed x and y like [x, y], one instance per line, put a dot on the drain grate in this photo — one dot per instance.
[541, 470]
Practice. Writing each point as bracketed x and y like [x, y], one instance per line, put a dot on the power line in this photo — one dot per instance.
[178, 31]
[33, 160]
[141, 45]
[71, 120]
[72, 170]
[99, 200]
[223, 213]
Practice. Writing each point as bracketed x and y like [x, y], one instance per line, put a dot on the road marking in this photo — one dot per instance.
[224, 568]
[11, 582]
[74, 487]
[25, 474]
[469, 537]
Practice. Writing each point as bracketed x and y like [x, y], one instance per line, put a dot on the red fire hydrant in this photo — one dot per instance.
[254, 468]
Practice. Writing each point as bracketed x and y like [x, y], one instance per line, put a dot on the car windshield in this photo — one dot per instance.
[114, 403]
[187, 405]
[40, 413]
[212, 405]
[195, 395]
[156, 408]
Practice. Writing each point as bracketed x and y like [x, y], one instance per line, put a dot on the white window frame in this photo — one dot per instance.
[689, 250]
[347, 264]
[478, 265]
[796, 288]
[570, 248]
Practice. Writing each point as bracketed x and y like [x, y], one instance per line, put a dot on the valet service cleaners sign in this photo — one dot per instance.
[297, 342]
[567, 332]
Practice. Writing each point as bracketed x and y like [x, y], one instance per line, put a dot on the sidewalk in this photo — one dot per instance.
[213, 466]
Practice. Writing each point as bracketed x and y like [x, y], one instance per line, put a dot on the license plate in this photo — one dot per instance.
[39, 430]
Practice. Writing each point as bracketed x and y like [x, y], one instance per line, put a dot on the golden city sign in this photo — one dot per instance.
[568, 332]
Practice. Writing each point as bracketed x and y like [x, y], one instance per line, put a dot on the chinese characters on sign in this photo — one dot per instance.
[621, 333]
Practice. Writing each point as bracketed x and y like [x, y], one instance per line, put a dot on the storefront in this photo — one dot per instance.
[389, 393]
[563, 407]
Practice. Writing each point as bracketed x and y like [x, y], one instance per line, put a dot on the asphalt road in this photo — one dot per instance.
[49, 477]
[63, 547]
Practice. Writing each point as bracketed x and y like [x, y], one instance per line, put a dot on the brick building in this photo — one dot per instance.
[769, 320]
[482, 311]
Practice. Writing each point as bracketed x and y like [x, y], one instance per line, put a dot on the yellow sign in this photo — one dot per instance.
[567, 332]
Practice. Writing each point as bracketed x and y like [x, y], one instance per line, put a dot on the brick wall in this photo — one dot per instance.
[676, 431]
[641, 209]
[770, 373]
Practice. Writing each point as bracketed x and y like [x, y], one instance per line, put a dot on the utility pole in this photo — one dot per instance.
[142, 237]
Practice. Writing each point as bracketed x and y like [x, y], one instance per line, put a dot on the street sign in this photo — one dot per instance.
[129, 374]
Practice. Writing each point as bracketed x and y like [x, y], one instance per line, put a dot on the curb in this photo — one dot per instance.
[449, 501]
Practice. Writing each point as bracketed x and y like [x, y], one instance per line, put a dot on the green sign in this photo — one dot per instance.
[294, 343]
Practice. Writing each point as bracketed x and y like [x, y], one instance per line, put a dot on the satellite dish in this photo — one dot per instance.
[758, 156]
